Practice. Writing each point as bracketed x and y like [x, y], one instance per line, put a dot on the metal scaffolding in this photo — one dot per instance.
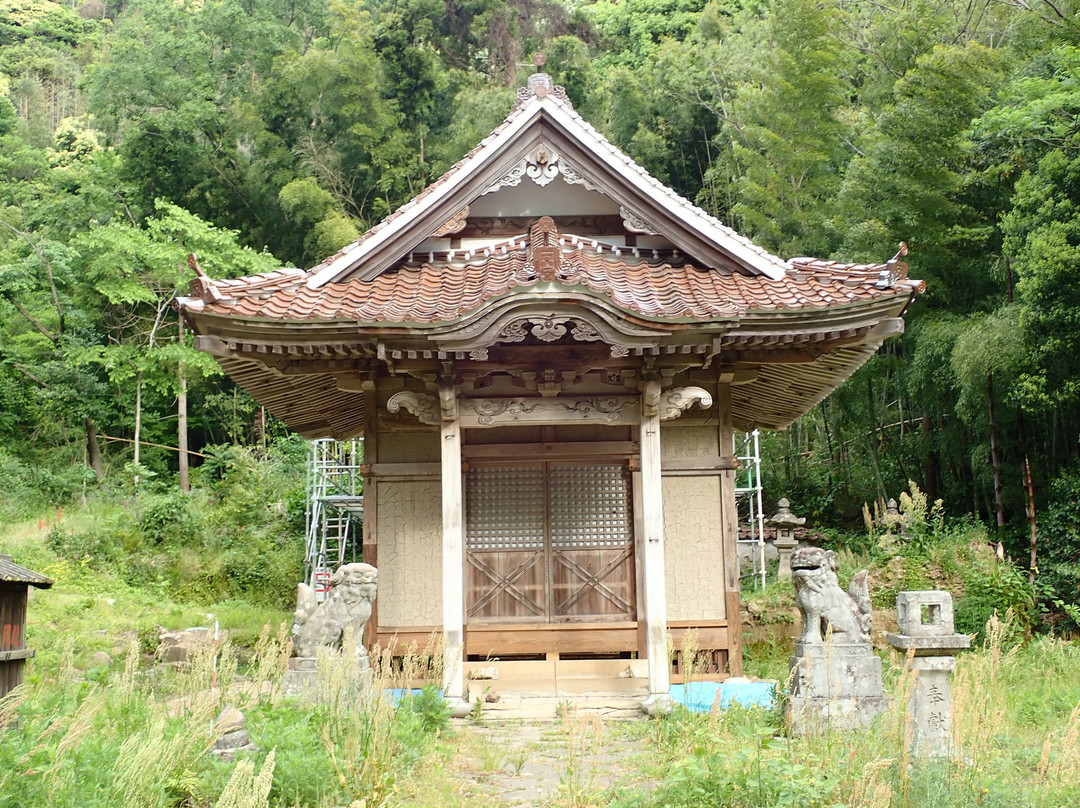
[334, 508]
[749, 503]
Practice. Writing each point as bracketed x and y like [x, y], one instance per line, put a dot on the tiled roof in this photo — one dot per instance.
[442, 291]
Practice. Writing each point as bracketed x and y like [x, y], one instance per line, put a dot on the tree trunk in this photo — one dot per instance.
[93, 451]
[995, 463]
[181, 421]
[1029, 490]
[932, 468]
[875, 461]
[828, 437]
[138, 417]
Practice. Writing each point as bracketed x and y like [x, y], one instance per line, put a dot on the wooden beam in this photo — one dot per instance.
[570, 638]
[551, 451]
[598, 409]
[703, 464]
[652, 520]
[398, 471]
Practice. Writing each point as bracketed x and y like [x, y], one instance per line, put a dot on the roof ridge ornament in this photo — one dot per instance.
[544, 251]
[541, 85]
[202, 286]
[895, 269]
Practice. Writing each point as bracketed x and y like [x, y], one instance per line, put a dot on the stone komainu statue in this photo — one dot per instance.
[823, 603]
[348, 606]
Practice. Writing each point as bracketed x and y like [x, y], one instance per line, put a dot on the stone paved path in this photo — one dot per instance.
[550, 763]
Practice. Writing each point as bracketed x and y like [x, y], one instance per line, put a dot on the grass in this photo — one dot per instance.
[136, 733]
[1016, 721]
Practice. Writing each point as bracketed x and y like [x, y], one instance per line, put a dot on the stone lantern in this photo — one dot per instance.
[926, 630]
[892, 521]
[785, 543]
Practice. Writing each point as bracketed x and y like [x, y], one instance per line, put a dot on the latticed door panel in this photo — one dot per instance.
[592, 547]
[549, 542]
[505, 543]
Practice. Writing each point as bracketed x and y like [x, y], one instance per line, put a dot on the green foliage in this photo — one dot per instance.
[232, 537]
[997, 589]
[143, 737]
[757, 767]
[132, 134]
[786, 124]
[1041, 232]
[631, 31]
[1059, 567]
[429, 707]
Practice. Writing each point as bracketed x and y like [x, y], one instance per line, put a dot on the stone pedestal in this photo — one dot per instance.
[926, 631]
[302, 677]
[834, 686]
[785, 546]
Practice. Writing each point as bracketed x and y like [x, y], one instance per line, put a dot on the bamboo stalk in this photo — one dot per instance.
[147, 443]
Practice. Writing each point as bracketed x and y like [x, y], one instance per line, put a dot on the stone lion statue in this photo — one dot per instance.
[348, 605]
[823, 603]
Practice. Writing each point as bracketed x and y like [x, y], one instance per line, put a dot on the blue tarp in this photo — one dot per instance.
[701, 696]
[396, 694]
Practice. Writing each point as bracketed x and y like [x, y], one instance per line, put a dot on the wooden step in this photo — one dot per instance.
[610, 707]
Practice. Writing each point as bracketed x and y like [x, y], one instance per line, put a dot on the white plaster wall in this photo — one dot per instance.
[409, 447]
[693, 552]
[688, 441]
[410, 554]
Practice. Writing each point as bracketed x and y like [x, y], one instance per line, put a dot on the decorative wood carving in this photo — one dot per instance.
[493, 412]
[455, 224]
[513, 332]
[426, 408]
[448, 402]
[542, 166]
[584, 332]
[619, 351]
[675, 402]
[551, 329]
[635, 224]
[508, 180]
[574, 178]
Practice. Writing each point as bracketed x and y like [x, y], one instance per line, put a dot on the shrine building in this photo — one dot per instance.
[547, 353]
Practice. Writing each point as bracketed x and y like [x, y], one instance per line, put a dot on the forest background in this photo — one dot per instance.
[271, 133]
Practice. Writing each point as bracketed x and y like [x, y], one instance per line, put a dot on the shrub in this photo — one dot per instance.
[1059, 547]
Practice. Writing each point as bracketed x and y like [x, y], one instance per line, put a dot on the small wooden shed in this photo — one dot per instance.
[15, 583]
[547, 352]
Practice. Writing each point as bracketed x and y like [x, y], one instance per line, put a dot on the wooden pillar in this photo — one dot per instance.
[370, 546]
[453, 556]
[729, 530]
[652, 520]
